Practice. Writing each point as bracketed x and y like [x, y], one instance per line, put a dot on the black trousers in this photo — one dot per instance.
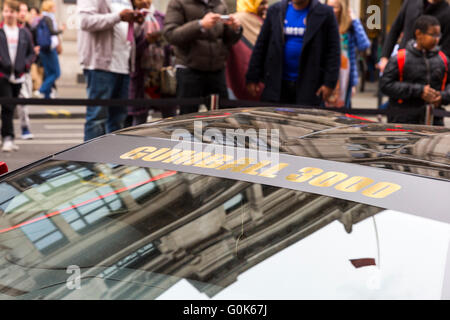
[8, 90]
[195, 84]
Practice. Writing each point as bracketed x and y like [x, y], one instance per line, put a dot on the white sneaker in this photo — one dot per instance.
[9, 146]
[38, 94]
[27, 136]
[53, 94]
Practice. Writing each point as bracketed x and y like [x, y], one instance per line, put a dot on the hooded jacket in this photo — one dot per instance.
[204, 50]
[24, 57]
[421, 68]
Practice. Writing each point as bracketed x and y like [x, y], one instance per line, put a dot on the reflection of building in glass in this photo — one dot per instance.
[135, 240]
[323, 135]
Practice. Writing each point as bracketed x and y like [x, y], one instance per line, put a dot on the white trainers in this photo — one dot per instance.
[38, 94]
[27, 136]
[9, 146]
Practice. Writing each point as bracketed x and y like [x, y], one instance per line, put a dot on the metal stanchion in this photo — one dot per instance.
[214, 102]
[429, 115]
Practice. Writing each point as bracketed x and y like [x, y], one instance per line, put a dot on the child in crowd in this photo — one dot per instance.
[416, 78]
[16, 56]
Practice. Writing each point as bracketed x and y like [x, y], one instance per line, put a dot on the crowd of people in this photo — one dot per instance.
[29, 64]
[300, 52]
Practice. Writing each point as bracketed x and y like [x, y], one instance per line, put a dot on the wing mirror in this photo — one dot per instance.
[3, 168]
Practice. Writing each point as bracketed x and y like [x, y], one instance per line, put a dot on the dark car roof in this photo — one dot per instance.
[322, 134]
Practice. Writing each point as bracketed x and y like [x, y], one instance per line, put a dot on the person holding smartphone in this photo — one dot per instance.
[202, 35]
[105, 53]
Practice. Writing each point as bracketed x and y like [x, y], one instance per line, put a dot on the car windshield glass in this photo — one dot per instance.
[103, 231]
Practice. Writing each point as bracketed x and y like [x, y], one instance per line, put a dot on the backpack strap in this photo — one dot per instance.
[444, 59]
[401, 56]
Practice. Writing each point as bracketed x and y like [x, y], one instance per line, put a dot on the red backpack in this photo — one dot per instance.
[401, 55]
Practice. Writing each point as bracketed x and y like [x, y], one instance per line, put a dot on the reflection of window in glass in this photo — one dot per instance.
[8, 193]
[237, 201]
[69, 177]
[44, 235]
[267, 189]
[131, 261]
[92, 213]
[142, 193]
[17, 202]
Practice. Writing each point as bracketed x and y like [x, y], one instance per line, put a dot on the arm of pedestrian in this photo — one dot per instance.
[394, 33]
[332, 52]
[362, 40]
[233, 30]
[446, 95]
[255, 71]
[91, 20]
[31, 55]
[391, 86]
[177, 31]
[52, 30]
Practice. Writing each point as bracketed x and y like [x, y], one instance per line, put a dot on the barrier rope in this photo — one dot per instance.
[213, 102]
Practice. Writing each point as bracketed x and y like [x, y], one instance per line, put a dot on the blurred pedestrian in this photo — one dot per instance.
[47, 33]
[202, 33]
[251, 14]
[297, 54]
[16, 56]
[417, 76]
[409, 12]
[353, 37]
[27, 86]
[37, 70]
[105, 55]
[152, 54]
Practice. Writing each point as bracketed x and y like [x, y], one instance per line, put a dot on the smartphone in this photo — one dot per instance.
[225, 17]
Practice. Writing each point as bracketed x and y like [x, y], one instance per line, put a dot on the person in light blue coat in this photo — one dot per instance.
[353, 38]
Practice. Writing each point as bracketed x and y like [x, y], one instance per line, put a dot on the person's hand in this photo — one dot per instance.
[234, 23]
[37, 49]
[210, 20]
[138, 17]
[127, 15]
[429, 94]
[325, 92]
[153, 37]
[253, 88]
[59, 48]
[438, 100]
[382, 64]
[353, 91]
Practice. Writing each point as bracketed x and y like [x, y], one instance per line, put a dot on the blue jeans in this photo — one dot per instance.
[52, 71]
[105, 85]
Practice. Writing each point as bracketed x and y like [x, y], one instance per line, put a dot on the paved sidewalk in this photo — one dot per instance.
[55, 112]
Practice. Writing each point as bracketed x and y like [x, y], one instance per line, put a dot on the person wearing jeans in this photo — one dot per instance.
[52, 71]
[105, 85]
[49, 58]
[105, 53]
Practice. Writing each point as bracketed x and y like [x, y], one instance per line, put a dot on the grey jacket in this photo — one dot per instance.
[96, 33]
